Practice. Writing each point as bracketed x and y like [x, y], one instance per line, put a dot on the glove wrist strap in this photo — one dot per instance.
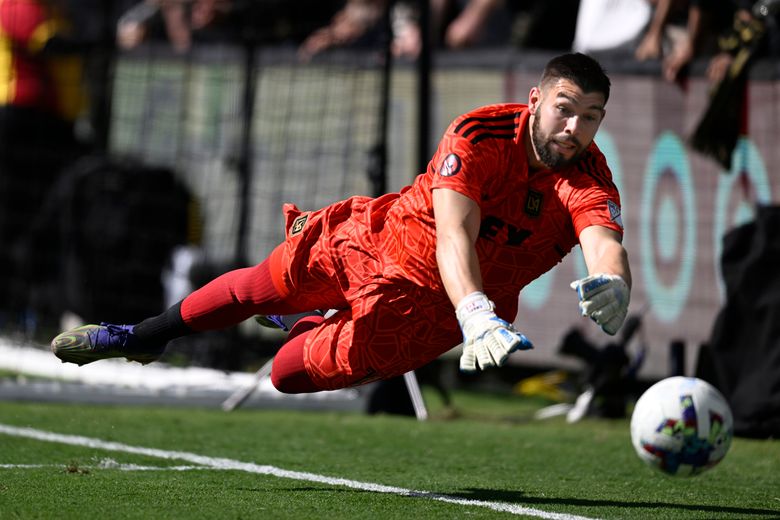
[473, 303]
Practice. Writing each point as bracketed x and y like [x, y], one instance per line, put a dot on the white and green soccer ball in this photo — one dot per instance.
[682, 426]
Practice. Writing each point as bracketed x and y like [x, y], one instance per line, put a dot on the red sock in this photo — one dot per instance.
[233, 297]
[289, 374]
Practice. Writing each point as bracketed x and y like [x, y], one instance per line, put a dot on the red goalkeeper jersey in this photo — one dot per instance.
[381, 253]
[529, 221]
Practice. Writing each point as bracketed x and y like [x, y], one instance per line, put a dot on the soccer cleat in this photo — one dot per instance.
[284, 322]
[272, 321]
[90, 343]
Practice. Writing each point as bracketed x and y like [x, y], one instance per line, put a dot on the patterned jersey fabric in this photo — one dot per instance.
[529, 221]
[382, 252]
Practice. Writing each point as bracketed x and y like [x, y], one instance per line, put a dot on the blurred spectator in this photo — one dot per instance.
[454, 24]
[471, 23]
[610, 25]
[682, 30]
[754, 34]
[686, 48]
[755, 24]
[41, 97]
[180, 19]
[349, 25]
[679, 31]
[184, 22]
[666, 27]
[729, 44]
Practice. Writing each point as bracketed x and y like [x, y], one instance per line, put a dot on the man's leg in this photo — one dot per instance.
[391, 328]
[225, 301]
[289, 374]
[232, 298]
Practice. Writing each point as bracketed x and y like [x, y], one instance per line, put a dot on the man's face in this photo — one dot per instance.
[565, 121]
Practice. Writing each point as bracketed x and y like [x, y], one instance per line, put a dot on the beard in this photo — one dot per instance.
[543, 146]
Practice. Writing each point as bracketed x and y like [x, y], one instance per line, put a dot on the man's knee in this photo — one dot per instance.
[288, 372]
[297, 382]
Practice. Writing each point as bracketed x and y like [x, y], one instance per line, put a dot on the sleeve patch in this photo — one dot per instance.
[450, 165]
[614, 213]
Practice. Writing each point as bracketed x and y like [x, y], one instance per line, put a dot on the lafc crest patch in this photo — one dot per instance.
[615, 214]
[298, 224]
[533, 204]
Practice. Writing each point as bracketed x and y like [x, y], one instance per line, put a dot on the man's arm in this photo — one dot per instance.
[457, 226]
[605, 293]
[685, 50]
[487, 339]
[604, 252]
[650, 47]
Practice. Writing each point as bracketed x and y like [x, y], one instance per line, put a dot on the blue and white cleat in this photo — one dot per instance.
[90, 343]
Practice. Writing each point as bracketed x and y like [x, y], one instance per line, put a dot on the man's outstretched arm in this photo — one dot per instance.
[605, 293]
[487, 339]
[457, 226]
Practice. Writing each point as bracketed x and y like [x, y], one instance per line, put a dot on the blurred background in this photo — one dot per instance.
[146, 147]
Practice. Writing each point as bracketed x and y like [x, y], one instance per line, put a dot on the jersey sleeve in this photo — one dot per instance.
[461, 166]
[594, 199]
[474, 156]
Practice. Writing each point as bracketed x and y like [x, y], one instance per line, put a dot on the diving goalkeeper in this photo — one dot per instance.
[511, 189]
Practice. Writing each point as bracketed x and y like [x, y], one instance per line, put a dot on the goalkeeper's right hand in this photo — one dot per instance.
[487, 339]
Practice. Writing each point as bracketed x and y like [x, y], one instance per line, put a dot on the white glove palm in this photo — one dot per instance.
[604, 299]
[487, 339]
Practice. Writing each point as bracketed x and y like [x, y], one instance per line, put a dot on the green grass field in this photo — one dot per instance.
[490, 460]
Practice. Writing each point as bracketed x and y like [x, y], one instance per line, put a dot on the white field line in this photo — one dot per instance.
[118, 466]
[249, 467]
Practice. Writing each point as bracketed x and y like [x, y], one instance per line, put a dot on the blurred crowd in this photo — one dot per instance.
[673, 32]
[56, 59]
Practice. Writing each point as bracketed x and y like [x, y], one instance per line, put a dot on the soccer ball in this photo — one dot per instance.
[682, 426]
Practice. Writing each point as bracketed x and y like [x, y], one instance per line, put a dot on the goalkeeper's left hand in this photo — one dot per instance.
[604, 299]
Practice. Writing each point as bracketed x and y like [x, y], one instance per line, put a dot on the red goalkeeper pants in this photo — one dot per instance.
[382, 328]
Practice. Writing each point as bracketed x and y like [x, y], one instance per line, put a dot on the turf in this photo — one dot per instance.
[490, 450]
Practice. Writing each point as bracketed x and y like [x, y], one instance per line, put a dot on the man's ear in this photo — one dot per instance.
[534, 99]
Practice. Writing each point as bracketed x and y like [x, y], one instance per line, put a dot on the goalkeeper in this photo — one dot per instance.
[510, 191]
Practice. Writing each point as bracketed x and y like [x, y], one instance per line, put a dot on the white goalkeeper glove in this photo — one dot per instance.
[487, 339]
[604, 299]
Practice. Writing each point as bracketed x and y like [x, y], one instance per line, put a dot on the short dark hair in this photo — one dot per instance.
[580, 69]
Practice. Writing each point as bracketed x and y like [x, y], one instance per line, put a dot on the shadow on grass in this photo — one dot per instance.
[519, 498]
